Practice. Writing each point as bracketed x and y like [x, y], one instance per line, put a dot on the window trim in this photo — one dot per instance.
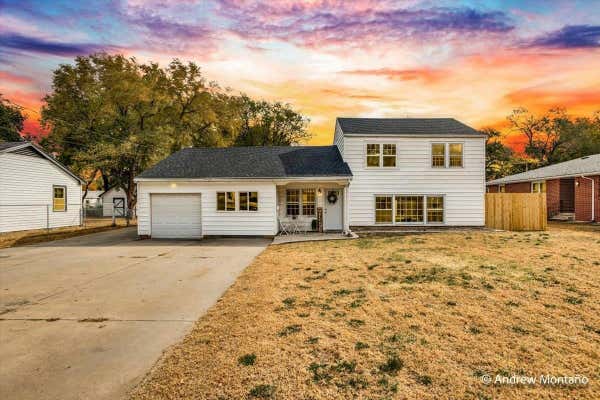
[425, 220]
[542, 182]
[380, 155]
[239, 202]
[375, 209]
[431, 155]
[235, 201]
[446, 155]
[64, 188]
[462, 155]
[301, 202]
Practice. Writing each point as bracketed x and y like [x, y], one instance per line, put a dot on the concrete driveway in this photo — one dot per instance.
[87, 317]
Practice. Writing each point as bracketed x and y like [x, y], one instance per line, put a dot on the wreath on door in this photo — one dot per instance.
[332, 197]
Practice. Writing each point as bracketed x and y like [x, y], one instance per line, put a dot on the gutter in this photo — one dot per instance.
[226, 179]
[543, 178]
[593, 197]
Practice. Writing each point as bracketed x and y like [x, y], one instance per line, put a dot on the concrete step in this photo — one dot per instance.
[563, 217]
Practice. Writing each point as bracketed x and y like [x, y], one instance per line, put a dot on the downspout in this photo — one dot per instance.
[593, 198]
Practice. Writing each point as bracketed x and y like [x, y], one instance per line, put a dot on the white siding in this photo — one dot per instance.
[261, 222]
[26, 192]
[338, 138]
[107, 200]
[463, 188]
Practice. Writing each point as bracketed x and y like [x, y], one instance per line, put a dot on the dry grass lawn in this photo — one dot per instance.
[92, 225]
[408, 317]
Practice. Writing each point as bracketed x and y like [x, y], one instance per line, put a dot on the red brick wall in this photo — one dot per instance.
[493, 189]
[597, 196]
[553, 197]
[520, 187]
[583, 198]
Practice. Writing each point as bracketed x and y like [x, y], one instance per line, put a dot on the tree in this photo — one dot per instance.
[498, 157]
[11, 121]
[544, 133]
[269, 124]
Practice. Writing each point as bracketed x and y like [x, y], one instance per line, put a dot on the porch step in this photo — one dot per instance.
[563, 217]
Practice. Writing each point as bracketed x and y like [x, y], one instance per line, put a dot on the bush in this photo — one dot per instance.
[247, 359]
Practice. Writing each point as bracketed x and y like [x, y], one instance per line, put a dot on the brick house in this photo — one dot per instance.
[572, 187]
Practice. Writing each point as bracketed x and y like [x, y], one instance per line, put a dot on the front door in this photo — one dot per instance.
[333, 210]
[119, 206]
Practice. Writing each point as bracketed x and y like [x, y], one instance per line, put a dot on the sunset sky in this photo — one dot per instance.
[472, 60]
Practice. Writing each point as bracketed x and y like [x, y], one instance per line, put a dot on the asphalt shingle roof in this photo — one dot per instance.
[251, 162]
[8, 145]
[588, 165]
[406, 126]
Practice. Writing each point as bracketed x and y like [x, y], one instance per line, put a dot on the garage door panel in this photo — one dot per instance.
[176, 216]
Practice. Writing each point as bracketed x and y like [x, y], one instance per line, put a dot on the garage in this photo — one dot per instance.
[176, 216]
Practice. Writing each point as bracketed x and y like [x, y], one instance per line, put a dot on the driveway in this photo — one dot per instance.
[87, 317]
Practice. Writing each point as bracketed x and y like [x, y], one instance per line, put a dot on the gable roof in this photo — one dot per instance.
[588, 165]
[251, 162]
[406, 126]
[19, 147]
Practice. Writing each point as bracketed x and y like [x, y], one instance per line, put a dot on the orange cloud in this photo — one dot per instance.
[426, 75]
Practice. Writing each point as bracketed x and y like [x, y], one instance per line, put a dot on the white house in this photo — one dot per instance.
[379, 172]
[93, 199]
[115, 199]
[36, 191]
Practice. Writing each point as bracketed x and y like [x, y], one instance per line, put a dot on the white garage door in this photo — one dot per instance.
[176, 216]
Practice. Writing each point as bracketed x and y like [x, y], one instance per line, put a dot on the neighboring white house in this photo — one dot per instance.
[36, 191]
[115, 199]
[93, 199]
[388, 172]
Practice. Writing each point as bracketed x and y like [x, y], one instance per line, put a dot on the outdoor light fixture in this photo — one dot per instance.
[319, 191]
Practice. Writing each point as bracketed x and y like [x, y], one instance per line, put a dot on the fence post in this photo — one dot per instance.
[47, 218]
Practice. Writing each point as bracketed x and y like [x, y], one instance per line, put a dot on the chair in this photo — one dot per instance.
[283, 229]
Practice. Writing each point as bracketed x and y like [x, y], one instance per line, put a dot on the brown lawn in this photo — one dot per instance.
[409, 317]
[92, 225]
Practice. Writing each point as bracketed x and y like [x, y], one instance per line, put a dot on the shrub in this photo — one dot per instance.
[392, 365]
[247, 359]
[263, 391]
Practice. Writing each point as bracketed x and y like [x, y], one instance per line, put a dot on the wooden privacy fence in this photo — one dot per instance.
[516, 211]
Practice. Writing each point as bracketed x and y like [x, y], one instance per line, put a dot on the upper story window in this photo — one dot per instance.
[225, 201]
[438, 155]
[59, 198]
[389, 155]
[456, 154]
[446, 155]
[381, 155]
[373, 153]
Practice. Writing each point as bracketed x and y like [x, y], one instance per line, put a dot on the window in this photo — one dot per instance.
[225, 201]
[435, 209]
[59, 198]
[538, 187]
[502, 188]
[373, 153]
[389, 155]
[409, 209]
[456, 154]
[308, 202]
[438, 155]
[292, 198]
[248, 201]
[383, 209]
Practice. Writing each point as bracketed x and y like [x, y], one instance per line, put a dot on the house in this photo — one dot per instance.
[379, 172]
[93, 199]
[572, 187]
[115, 199]
[36, 191]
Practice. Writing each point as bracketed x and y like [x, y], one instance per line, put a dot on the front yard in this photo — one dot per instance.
[420, 316]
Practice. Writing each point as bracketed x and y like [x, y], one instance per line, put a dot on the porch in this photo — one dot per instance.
[312, 206]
